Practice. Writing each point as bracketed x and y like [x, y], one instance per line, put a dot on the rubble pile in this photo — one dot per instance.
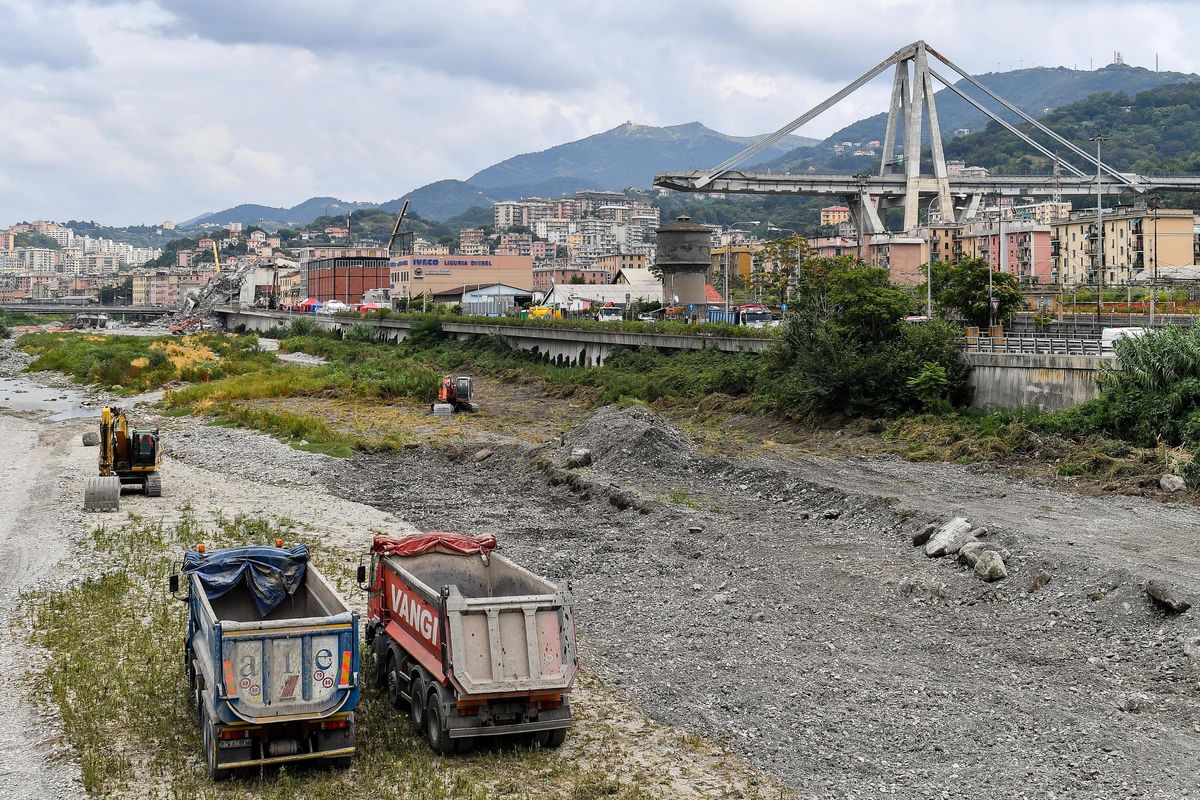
[197, 310]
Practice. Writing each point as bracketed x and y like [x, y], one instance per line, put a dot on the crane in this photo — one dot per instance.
[396, 227]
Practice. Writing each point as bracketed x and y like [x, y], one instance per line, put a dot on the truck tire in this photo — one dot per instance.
[416, 694]
[437, 734]
[395, 682]
[379, 664]
[195, 692]
[209, 737]
[555, 738]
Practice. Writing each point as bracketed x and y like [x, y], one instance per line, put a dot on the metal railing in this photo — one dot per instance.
[1037, 345]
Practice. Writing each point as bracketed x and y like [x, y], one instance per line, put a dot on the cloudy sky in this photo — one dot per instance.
[129, 112]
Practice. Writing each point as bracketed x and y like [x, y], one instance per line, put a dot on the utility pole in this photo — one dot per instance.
[1099, 256]
[1003, 258]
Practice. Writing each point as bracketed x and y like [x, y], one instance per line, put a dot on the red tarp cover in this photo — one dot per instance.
[454, 544]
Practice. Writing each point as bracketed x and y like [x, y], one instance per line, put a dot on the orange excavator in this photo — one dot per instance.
[454, 394]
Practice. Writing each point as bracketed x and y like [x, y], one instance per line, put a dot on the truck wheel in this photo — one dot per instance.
[379, 660]
[416, 694]
[195, 697]
[341, 762]
[394, 681]
[439, 738]
[209, 738]
[555, 738]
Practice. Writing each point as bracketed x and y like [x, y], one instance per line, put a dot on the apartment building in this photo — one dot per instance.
[1025, 250]
[514, 244]
[471, 242]
[546, 277]
[1134, 239]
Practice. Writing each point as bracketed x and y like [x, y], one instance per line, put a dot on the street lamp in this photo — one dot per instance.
[728, 245]
[1098, 139]
[1154, 203]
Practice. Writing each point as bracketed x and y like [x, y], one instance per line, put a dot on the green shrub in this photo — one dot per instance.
[302, 326]
[359, 332]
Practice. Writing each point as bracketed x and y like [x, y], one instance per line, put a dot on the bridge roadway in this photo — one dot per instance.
[573, 346]
[64, 308]
[894, 186]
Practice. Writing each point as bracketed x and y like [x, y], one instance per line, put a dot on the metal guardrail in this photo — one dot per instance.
[1037, 345]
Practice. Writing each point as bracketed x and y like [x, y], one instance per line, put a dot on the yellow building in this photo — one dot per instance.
[741, 262]
[1135, 239]
[835, 215]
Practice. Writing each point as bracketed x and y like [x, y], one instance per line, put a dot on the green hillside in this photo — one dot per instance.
[1152, 131]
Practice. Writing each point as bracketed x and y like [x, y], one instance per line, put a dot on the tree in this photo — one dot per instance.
[122, 291]
[778, 262]
[964, 288]
[575, 279]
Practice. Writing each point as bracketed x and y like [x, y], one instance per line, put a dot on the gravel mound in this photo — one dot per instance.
[617, 435]
[249, 455]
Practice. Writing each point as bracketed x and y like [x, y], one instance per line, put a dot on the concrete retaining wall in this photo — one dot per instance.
[1051, 383]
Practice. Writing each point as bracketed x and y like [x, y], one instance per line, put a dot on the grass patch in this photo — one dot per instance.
[115, 674]
[132, 364]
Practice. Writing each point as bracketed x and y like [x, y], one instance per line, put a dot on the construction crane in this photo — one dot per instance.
[396, 227]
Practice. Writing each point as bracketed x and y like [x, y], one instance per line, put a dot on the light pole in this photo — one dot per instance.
[1098, 139]
[1153, 203]
[729, 245]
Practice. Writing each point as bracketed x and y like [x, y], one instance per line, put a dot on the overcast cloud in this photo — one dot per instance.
[129, 112]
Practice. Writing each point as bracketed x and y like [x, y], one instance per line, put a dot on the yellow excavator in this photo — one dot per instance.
[127, 458]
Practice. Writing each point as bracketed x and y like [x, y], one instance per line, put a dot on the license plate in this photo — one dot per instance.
[230, 744]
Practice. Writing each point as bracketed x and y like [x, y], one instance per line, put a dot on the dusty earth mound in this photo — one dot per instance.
[620, 435]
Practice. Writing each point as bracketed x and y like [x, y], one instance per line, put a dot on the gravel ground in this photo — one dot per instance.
[779, 605]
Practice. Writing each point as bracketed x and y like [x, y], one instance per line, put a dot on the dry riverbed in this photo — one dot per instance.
[70, 594]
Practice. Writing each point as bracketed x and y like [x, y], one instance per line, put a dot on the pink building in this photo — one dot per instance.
[545, 278]
[1028, 246]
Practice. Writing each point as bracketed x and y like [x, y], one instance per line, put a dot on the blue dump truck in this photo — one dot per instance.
[271, 658]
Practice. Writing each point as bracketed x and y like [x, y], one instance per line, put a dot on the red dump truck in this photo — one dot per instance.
[468, 642]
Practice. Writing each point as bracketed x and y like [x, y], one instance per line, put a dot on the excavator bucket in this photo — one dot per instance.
[102, 494]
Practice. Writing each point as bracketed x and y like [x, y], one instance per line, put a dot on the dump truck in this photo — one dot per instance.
[271, 658]
[468, 642]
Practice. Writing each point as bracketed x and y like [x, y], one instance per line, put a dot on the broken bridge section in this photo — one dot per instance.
[900, 181]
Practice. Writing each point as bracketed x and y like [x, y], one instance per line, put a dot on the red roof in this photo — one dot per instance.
[711, 295]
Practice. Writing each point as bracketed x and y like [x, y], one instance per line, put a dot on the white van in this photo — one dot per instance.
[1109, 336]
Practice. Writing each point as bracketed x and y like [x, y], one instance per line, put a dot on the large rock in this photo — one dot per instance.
[922, 536]
[990, 567]
[970, 552]
[1167, 596]
[949, 538]
[91, 439]
[580, 457]
[1171, 483]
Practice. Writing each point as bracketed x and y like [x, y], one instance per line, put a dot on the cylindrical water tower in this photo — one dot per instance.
[684, 256]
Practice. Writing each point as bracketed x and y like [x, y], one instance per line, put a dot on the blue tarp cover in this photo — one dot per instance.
[273, 573]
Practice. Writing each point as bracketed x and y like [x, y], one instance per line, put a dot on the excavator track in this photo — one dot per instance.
[102, 494]
[154, 485]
